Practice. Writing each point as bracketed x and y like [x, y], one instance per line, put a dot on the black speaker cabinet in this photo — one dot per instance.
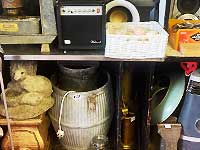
[185, 9]
[81, 25]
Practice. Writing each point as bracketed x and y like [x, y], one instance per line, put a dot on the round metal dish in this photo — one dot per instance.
[167, 106]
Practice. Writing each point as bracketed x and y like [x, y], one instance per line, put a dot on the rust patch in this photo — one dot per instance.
[91, 102]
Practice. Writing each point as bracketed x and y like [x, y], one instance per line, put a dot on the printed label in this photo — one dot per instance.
[190, 36]
[196, 37]
[9, 27]
[81, 10]
[67, 42]
[168, 126]
[77, 97]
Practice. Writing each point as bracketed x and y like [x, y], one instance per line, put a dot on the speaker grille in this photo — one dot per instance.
[120, 9]
[188, 6]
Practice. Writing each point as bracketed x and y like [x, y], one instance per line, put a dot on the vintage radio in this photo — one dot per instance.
[81, 24]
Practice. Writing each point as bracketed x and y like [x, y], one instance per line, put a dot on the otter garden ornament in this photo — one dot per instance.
[28, 95]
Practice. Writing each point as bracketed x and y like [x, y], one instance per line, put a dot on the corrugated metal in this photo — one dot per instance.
[85, 114]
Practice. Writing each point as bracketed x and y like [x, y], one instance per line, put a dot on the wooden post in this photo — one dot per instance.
[45, 49]
[28, 134]
[171, 134]
[47, 17]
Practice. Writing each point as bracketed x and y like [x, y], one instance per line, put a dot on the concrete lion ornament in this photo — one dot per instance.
[28, 95]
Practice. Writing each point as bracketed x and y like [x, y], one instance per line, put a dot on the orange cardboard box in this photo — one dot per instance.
[176, 38]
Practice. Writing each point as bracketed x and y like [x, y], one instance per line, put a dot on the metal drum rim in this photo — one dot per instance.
[62, 92]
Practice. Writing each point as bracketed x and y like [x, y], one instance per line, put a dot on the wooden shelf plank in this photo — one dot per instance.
[174, 55]
[170, 52]
[32, 52]
[27, 122]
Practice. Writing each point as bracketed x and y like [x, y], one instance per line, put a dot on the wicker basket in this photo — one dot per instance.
[137, 46]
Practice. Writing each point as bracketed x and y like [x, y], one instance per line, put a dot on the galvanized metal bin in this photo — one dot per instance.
[84, 115]
[79, 76]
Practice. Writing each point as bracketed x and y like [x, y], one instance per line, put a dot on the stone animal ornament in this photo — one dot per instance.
[28, 94]
[20, 69]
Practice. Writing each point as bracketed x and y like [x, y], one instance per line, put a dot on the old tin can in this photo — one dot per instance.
[23, 25]
[12, 3]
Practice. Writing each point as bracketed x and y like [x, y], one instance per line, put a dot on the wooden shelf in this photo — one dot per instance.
[27, 122]
[32, 52]
[170, 52]
[174, 55]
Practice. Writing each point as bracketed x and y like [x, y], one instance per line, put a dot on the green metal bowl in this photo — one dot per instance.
[162, 110]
